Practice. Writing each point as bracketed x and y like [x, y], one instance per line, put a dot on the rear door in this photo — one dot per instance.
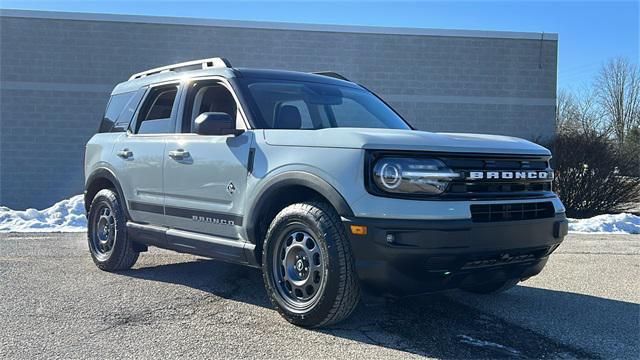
[141, 153]
[205, 176]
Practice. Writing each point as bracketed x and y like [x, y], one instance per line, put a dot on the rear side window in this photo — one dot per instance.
[155, 115]
[125, 117]
[114, 108]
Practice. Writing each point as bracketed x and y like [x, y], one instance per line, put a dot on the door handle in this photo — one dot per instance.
[179, 154]
[125, 153]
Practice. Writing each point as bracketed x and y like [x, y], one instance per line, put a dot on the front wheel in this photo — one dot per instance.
[308, 268]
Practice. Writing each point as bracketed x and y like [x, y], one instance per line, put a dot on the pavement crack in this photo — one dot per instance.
[598, 253]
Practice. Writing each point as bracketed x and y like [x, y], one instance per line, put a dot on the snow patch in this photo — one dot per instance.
[606, 224]
[64, 216]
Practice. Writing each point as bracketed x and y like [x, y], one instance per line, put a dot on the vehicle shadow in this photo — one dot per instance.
[437, 325]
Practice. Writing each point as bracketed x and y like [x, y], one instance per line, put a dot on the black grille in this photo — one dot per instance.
[511, 212]
[458, 163]
[498, 187]
[502, 188]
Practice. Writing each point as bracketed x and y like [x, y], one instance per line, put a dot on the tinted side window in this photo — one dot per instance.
[126, 115]
[114, 108]
[208, 96]
[155, 115]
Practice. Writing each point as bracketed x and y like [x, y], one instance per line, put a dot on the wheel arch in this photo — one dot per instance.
[103, 178]
[284, 189]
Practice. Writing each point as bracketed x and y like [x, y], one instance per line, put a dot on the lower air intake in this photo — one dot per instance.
[512, 212]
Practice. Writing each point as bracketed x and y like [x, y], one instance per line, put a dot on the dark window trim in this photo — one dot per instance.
[104, 113]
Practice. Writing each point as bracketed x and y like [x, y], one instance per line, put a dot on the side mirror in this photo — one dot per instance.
[215, 123]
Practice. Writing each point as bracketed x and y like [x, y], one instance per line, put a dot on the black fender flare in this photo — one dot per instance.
[292, 178]
[104, 173]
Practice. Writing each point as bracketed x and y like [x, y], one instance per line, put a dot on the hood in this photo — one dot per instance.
[410, 140]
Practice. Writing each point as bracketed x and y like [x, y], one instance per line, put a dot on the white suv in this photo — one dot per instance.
[317, 181]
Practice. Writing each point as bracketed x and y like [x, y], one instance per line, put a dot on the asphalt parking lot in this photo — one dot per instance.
[55, 303]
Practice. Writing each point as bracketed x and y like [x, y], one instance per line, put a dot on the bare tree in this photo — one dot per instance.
[564, 112]
[578, 113]
[618, 94]
[598, 142]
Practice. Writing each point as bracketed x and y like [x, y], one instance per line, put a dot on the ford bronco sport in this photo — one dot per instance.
[317, 181]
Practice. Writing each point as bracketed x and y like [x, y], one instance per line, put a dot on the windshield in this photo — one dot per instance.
[284, 104]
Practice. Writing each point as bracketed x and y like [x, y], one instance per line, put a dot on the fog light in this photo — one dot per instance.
[391, 238]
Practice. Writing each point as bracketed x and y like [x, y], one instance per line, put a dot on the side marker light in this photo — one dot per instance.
[358, 230]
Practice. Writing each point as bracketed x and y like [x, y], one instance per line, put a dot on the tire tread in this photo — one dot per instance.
[126, 256]
[348, 294]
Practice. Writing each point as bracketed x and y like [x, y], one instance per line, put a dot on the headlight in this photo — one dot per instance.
[412, 176]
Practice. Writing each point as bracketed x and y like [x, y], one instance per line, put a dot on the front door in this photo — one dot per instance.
[141, 154]
[205, 176]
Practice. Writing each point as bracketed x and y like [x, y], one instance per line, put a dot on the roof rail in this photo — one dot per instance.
[332, 74]
[216, 62]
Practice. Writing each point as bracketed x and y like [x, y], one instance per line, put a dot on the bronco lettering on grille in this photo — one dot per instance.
[508, 175]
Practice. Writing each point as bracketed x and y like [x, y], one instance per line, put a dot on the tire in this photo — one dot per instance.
[109, 245]
[493, 288]
[307, 247]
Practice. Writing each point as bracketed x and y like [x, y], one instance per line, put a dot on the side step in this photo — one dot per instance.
[219, 248]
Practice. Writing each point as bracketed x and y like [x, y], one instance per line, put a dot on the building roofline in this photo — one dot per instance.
[37, 14]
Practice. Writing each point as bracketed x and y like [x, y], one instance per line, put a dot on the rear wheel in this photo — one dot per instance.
[308, 267]
[109, 245]
[493, 288]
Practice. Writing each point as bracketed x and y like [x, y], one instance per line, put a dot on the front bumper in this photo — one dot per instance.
[418, 256]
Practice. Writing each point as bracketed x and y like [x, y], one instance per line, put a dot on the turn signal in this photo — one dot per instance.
[358, 230]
